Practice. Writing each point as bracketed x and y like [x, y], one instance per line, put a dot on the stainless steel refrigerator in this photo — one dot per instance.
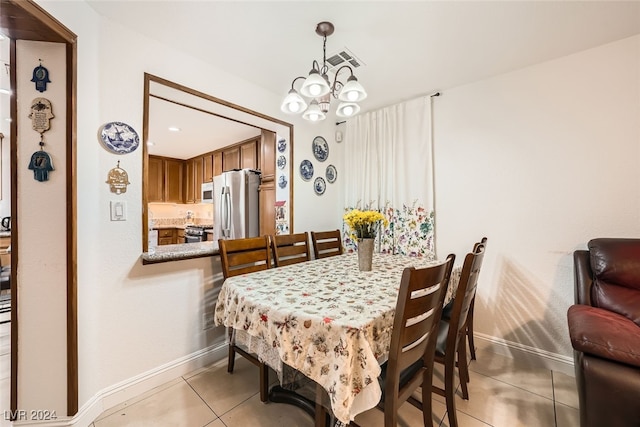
[236, 204]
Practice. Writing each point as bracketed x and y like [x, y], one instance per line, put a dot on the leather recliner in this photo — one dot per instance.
[604, 326]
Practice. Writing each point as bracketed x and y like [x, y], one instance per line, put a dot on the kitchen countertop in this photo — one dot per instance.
[164, 227]
[180, 251]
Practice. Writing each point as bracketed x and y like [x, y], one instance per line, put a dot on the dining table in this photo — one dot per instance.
[323, 319]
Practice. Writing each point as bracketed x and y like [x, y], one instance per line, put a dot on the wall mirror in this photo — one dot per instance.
[189, 137]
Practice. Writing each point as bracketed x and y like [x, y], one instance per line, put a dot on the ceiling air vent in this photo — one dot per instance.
[344, 57]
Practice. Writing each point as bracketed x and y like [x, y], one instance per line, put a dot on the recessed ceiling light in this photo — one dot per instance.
[174, 129]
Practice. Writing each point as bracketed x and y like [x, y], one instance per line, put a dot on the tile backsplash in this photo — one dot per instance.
[176, 214]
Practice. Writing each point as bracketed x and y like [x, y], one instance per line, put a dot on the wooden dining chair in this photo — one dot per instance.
[241, 256]
[290, 248]
[446, 314]
[413, 340]
[451, 348]
[469, 326]
[326, 243]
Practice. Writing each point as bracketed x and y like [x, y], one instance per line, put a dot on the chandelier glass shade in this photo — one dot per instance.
[293, 103]
[319, 89]
[314, 113]
[315, 85]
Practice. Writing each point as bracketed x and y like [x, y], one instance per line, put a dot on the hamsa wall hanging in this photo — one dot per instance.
[118, 179]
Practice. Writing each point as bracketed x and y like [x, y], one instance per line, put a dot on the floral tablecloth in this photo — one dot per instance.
[324, 318]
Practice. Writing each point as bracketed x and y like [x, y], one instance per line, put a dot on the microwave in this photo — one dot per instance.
[206, 194]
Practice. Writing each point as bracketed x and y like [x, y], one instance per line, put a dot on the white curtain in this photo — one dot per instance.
[389, 168]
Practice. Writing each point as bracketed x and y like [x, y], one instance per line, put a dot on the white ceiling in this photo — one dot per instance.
[408, 48]
[200, 131]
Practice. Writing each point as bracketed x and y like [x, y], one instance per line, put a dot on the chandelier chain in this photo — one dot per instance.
[324, 56]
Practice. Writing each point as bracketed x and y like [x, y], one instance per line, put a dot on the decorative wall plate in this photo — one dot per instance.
[331, 174]
[306, 170]
[320, 148]
[282, 181]
[282, 162]
[119, 138]
[282, 145]
[319, 186]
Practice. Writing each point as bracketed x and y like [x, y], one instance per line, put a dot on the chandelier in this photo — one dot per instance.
[318, 88]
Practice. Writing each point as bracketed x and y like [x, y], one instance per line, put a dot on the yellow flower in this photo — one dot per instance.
[364, 223]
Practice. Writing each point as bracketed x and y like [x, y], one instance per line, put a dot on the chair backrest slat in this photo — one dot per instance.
[241, 256]
[326, 243]
[291, 248]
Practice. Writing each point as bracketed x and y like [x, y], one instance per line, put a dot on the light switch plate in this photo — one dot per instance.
[118, 211]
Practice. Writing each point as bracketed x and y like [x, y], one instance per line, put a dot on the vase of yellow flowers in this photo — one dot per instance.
[364, 226]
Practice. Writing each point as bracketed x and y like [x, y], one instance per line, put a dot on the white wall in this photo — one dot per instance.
[539, 160]
[134, 318]
[314, 212]
[42, 260]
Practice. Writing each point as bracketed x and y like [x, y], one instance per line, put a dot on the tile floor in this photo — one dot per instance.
[503, 393]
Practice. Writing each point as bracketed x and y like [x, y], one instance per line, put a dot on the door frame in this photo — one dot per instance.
[25, 20]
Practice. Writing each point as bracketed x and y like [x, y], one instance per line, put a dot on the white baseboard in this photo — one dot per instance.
[118, 394]
[532, 355]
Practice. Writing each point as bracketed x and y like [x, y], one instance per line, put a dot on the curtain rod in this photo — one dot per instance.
[430, 96]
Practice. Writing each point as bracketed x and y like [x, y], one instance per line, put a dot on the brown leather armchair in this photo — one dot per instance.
[604, 326]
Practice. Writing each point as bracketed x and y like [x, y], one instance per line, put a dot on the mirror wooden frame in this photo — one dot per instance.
[260, 118]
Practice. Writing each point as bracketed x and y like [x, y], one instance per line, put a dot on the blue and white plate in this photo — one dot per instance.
[282, 181]
[331, 174]
[306, 170]
[320, 148]
[282, 145]
[319, 186]
[119, 138]
[282, 162]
